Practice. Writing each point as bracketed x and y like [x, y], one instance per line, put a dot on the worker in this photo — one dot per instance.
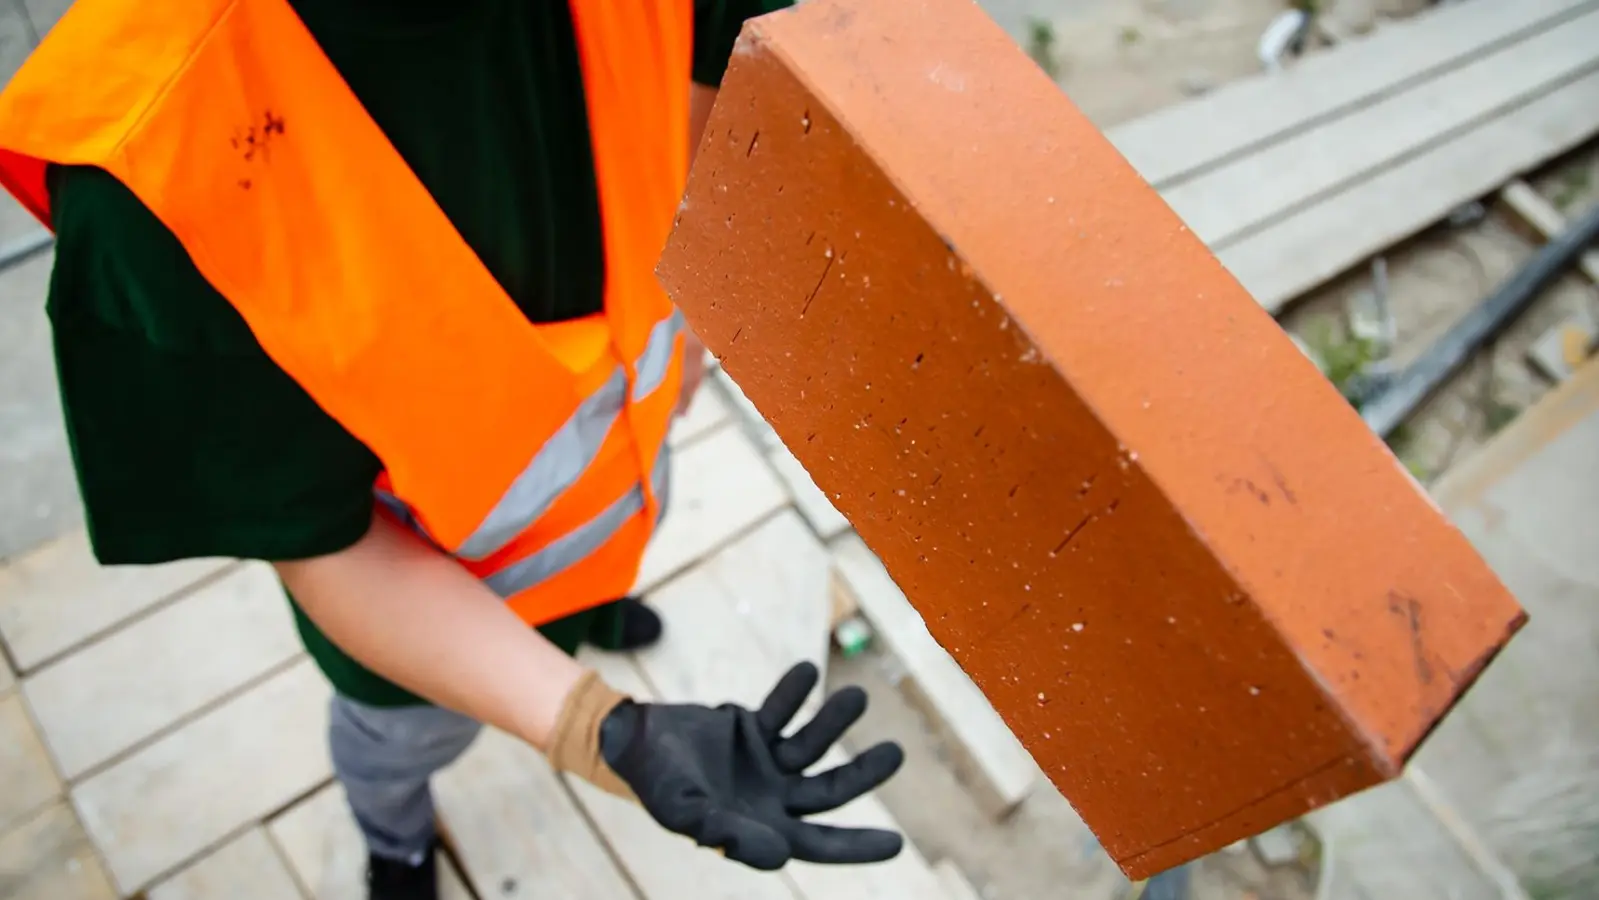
[364, 288]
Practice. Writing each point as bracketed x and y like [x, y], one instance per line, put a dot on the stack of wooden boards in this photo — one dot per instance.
[165, 734]
[1296, 176]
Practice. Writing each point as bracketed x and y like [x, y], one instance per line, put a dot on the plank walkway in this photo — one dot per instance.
[1295, 177]
[165, 735]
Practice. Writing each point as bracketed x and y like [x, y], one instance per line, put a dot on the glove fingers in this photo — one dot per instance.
[839, 785]
[826, 844]
[742, 839]
[808, 745]
[785, 700]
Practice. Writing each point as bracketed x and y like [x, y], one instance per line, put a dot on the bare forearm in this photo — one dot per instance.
[417, 618]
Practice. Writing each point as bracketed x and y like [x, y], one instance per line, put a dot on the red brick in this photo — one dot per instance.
[1199, 590]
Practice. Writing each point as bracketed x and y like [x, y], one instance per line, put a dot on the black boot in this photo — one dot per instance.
[393, 879]
[624, 625]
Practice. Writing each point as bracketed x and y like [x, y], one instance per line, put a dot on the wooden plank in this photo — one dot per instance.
[721, 487]
[1561, 350]
[170, 800]
[246, 868]
[39, 489]
[662, 864]
[1243, 196]
[517, 831]
[1517, 757]
[780, 577]
[1003, 771]
[954, 882]
[48, 857]
[325, 850]
[1388, 844]
[745, 412]
[907, 875]
[708, 412]
[1531, 207]
[58, 596]
[809, 499]
[30, 782]
[1322, 240]
[725, 660]
[141, 679]
[1175, 143]
[1466, 837]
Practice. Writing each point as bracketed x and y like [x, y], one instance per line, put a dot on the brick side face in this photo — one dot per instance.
[1013, 446]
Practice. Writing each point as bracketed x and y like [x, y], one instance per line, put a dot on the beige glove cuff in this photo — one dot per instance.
[575, 743]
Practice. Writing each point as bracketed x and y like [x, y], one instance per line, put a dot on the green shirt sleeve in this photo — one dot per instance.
[188, 440]
[716, 27]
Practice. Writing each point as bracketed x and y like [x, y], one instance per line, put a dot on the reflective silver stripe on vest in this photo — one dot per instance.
[568, 452]
[578, 544]
[656, 359]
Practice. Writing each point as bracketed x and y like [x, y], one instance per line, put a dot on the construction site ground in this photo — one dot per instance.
[1117, 60]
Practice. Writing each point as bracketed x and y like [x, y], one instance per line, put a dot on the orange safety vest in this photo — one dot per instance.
[532, 453]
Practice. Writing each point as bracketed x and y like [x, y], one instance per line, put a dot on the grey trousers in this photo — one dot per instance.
[385, 758]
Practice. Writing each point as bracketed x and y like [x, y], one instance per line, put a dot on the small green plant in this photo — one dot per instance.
[1041, 45]
[1402, 441]
[1573, 184]
[1414, 466]
[1497, 414]
[1130, 35]
[1344, 357]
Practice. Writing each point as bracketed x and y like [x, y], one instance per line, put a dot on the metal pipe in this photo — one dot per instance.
[1421, 378]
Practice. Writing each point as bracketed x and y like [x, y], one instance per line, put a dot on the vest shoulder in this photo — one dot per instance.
[98, 69]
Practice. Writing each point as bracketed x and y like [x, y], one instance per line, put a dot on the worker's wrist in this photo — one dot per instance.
[538, 693]
[575, 741]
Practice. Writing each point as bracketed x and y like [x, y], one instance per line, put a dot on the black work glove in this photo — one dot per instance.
[727, 777]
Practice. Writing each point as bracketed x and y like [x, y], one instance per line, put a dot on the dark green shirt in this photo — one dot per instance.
[188, 440]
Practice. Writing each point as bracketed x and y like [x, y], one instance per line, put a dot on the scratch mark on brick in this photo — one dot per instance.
[1406, 607]
[811, 298]
[1281, 482]
[1073, 532]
